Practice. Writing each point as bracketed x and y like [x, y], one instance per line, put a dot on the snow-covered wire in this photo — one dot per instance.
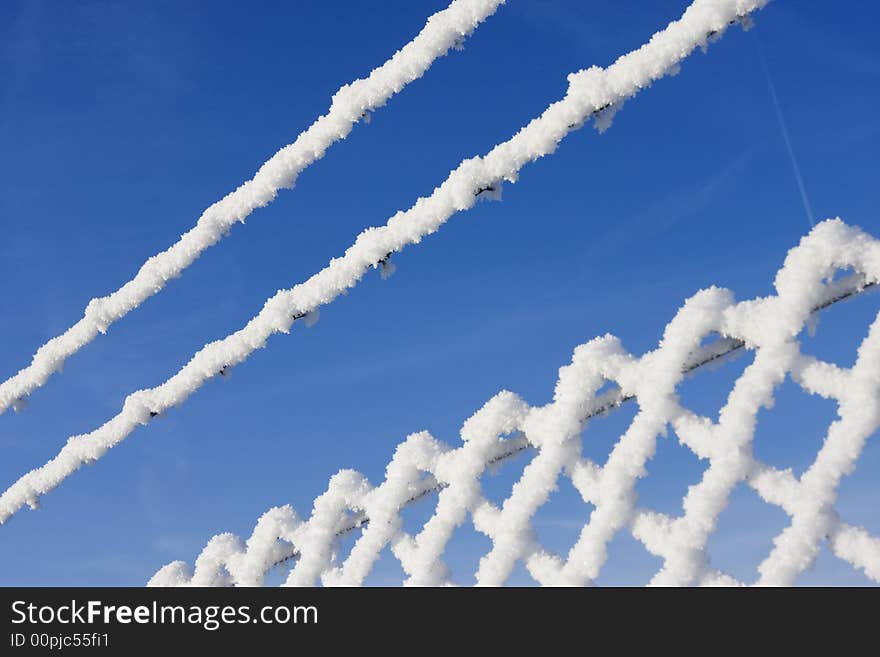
[351, 103]
[768, 327]
[589, 91]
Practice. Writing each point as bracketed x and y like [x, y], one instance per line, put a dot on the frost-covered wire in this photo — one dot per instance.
[589, 91]
[352, 103]
[768, 327]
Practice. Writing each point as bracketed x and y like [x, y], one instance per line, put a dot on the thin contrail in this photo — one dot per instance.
[783, 126]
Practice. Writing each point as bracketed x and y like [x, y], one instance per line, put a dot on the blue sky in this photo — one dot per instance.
[121, 122]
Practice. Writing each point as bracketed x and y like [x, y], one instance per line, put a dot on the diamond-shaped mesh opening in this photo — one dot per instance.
[834, 334]
[705, 391]
[499, 478]
[839, 274]
[416, 513]
[744, 534]
[670, 473]
[464, 551]
[345, 542]
[387, 570]
[628, 563]
[607, 386]
[791, 433]
[559, 521]
[604, 431]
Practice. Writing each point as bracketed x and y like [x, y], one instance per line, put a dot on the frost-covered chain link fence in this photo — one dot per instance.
[767, 327]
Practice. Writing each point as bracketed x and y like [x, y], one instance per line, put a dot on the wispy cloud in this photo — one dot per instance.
[783, 127]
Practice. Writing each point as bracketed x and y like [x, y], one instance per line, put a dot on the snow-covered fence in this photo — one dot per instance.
[768, 327]
[594, 92]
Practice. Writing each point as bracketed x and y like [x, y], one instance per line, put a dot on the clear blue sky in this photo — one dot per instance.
[121, 122]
